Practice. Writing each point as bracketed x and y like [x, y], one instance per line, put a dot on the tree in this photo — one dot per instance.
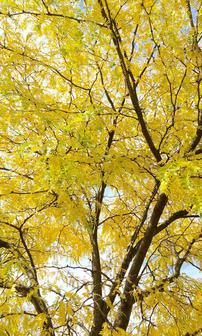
[100, 167]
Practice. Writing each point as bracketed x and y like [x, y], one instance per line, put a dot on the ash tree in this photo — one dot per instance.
[100, 153]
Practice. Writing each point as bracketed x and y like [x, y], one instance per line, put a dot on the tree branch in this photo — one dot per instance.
[125, 308]
[128, 77]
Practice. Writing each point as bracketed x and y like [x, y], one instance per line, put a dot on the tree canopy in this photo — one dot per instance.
[100, 134]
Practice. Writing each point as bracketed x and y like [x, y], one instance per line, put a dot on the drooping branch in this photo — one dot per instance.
[36, 300]
[49, 14]
[33, 291]
[47, 66]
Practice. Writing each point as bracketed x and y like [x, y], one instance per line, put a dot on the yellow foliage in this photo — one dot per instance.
[100, 167]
